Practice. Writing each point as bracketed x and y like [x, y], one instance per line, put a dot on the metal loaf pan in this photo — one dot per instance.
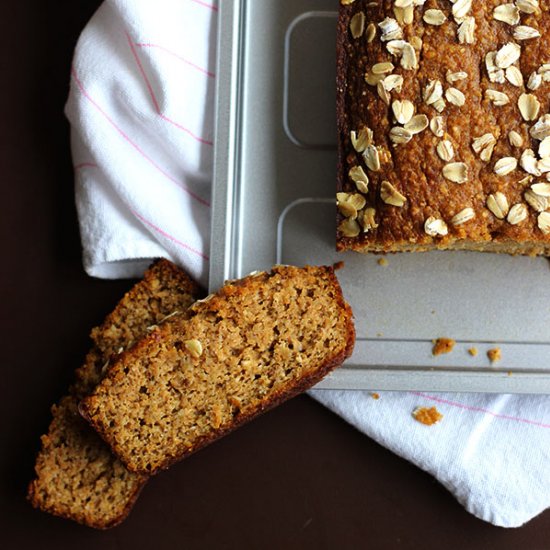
[275, 170]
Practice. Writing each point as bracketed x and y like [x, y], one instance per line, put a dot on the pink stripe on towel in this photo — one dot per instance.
[177, 56]
[132, 143]
[209, 6]
[481, 410]
[170, 237]
[155, 101]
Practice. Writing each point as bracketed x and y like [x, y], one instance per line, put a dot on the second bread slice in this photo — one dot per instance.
[77, 476]
[247, 348]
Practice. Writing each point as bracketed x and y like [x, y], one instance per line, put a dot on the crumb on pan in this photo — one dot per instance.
[443, 345]
[375, 395]
[427, 416]
[494, 355]
[382, 262]
[473, 352]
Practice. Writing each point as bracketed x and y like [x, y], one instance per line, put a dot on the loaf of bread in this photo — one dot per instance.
[77, 476]
[443, 110]
[255, 343]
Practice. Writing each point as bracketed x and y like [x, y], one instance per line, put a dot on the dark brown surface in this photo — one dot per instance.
[298, 477]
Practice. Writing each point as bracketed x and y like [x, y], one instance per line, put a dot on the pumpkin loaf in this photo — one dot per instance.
[443, 110]
[252, 345]
[77, 476]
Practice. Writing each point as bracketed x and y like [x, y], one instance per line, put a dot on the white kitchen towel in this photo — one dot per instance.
[491, 451]
[140, 107]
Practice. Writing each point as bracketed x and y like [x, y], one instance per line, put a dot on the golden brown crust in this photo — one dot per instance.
[415, 168]
[178, 403]
[164, 290]
[77, 476]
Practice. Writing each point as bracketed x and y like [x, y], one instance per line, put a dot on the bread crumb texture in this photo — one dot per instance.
[427, 416]
[77, 475]
[443, 345]
[263, 339]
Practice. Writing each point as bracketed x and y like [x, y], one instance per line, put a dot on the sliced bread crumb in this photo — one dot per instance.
[77, 476]
[262, 340]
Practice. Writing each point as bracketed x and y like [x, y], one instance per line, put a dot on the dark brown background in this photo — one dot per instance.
[298, 477]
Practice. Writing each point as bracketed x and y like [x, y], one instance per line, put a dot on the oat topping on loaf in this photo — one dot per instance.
[77, 476]
[443, 107]
[255, 343]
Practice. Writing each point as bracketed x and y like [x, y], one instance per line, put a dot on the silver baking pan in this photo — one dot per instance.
[274, 188]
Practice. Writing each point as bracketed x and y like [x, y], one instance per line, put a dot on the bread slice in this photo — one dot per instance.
[254, 344]
[77, 476]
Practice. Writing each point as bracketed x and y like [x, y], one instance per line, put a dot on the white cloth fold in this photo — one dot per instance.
[140, 107]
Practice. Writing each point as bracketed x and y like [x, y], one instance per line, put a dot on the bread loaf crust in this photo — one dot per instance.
[416, 169]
